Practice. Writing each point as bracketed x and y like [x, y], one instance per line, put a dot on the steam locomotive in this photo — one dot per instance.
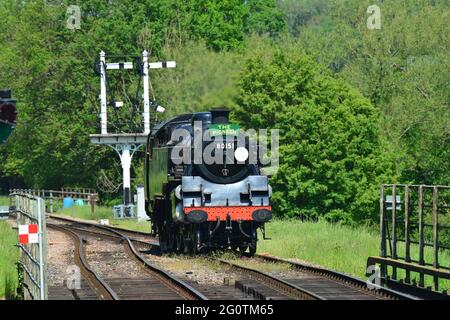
[198, 206]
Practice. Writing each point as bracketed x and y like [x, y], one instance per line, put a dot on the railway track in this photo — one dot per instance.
[97, 284]
[151, 283]
[312, 283]
[260, 278]
[307, 283]
[130, 233]
[340, 286]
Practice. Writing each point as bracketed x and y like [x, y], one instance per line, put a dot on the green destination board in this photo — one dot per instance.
[224, 129]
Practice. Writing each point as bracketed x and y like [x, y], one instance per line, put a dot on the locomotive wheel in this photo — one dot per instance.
[185, 247]
[242, 249]
[163, 239]
[253, 245]
[167, 237]
[252, 249]
[187, 241]
[197, 240]
[171, 239]
[179, 241]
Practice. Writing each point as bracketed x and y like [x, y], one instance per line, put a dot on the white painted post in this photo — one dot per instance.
[146, 94]
[141, 203]
[125, 158]
[103, 109]
[40, 216]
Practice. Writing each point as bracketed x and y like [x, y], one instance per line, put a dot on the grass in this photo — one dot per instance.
[104, 213]
[332, 246]
[9, 255]
[4, 201]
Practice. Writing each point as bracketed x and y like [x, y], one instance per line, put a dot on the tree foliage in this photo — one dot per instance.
[403, 69]
[49, 68]
[330, 155]
[269, 60]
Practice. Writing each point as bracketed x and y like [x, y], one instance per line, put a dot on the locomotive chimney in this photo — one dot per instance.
[220, 115]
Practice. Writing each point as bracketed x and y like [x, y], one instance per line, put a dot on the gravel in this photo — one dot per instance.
[199, 270]
[60, 255]
[110, 260]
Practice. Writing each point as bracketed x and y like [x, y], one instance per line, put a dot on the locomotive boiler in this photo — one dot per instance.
[196, 203]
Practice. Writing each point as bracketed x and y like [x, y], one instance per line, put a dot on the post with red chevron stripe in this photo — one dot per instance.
[32, 243]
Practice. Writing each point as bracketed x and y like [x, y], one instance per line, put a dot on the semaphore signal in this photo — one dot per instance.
[125, 144]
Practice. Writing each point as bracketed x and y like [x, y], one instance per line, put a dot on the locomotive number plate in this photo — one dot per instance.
[224, 146]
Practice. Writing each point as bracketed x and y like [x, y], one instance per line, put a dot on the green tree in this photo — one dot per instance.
[330, 152]
[264, 17]
[221, 23]
[298, 13]
[402, 67]
[49, 68]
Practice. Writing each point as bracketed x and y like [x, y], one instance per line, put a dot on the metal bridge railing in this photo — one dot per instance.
[29, 210]
[414, 234]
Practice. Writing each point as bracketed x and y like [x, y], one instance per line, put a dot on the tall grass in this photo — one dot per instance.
[9, 255]
[333, 246]
[330, 245]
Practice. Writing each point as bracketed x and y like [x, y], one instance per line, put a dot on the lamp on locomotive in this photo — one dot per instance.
[8, 114]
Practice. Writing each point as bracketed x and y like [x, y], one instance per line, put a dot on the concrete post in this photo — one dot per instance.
[146, 95]
[103, 109]
[125, 159]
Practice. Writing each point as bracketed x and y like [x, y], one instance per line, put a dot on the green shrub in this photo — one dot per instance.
[330, 150]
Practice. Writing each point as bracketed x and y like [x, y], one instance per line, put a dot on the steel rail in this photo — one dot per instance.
[340, 277]
[176, 284]
[182, 288]
[111, 236]
[276, 283]
[103, 289]
[287, 287]
[137, 233]
[151, 243]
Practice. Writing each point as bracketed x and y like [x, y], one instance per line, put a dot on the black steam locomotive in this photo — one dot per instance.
[196, 205]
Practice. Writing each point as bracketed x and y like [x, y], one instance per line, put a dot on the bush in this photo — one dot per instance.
[330, 151]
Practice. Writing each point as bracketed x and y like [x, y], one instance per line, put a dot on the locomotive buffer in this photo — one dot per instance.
[125, 144]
